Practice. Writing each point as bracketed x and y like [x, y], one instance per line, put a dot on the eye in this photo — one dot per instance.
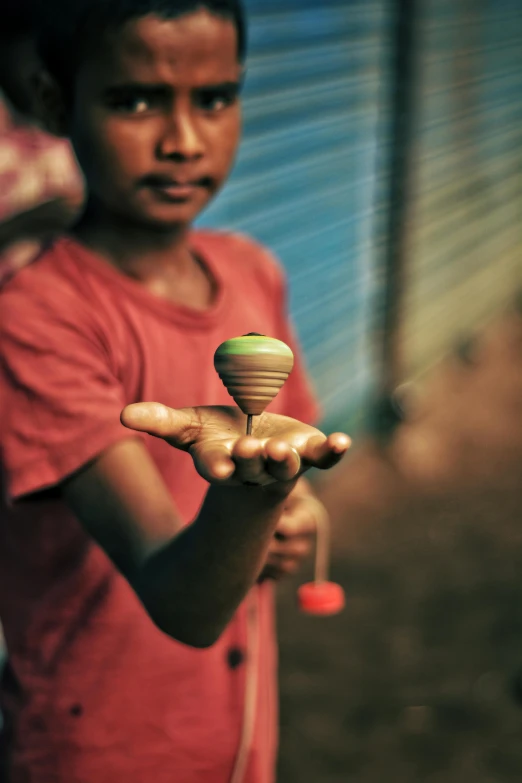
[139, 105]
[131, 105]
[133, 102]
[215, 100]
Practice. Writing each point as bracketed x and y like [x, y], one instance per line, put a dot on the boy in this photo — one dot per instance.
[105, 588]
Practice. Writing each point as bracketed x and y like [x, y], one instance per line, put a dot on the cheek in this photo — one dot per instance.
[124, 148]
[110, 150]
[227, 141]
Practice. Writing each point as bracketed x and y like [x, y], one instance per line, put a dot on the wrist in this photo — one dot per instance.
[252, 497]
[242, 511]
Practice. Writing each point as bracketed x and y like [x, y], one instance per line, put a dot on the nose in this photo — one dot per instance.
[181, 139]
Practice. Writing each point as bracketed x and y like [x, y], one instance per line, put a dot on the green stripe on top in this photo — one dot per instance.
[253, 345]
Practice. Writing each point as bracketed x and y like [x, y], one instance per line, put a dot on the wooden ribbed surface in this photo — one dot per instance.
[252, 391]
[254, 381]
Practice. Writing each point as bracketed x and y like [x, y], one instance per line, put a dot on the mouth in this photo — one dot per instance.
[177, 190]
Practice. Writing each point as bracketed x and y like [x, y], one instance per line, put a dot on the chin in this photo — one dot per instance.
[171, 216]
[164, 220]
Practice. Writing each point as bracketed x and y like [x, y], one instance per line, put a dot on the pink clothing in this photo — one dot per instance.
[35, 169]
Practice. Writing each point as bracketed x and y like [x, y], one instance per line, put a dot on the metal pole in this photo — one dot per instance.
[403, 68]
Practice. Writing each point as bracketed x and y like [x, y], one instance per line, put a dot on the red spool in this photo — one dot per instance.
[321, 598]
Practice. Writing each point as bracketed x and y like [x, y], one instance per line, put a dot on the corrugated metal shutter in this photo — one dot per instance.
[464, 257]
[304, 183]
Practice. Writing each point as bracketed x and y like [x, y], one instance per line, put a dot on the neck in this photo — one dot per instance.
[141, 252]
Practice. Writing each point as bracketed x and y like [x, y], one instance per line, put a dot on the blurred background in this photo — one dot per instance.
[382, 151]
[382, 163]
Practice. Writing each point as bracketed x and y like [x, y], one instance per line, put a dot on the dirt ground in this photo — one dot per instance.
[420, 679]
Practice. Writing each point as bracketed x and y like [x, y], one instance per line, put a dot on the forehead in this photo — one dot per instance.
[194, 48]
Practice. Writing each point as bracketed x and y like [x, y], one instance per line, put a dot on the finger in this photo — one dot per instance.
[297, 548]
[270, 572]
[282, 460]
[180, 427]
[282, 566]
[301, 516]
[288, 566]
[213, 462]
[248, 458]
[301, 522]
[323, 453]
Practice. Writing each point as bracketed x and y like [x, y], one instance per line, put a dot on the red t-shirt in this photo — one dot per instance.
[94, 692]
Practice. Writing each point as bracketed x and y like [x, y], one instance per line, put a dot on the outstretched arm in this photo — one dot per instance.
[192, 579]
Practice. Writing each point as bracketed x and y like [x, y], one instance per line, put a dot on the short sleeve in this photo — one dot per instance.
[59, 401]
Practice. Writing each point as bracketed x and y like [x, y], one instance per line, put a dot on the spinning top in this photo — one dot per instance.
[253, 369]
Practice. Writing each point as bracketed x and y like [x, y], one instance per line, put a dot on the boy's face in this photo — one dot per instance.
[156, 118]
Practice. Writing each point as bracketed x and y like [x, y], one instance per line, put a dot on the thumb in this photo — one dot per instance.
[180, 427]
[301, 518]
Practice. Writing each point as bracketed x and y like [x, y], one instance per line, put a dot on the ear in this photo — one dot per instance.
[50, 105]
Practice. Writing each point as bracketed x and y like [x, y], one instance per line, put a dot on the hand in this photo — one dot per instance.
[292, 541]
[278, 453]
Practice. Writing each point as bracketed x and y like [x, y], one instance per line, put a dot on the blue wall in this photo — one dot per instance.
[304, 183]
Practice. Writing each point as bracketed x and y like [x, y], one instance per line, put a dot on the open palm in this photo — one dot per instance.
[279, 450]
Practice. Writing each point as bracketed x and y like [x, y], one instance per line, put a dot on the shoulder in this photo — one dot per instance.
[43, 292]
[52, 267]
[242, 257]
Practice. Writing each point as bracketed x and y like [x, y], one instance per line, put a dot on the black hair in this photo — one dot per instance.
[19, 19]
[18, 30]
[70, 29]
